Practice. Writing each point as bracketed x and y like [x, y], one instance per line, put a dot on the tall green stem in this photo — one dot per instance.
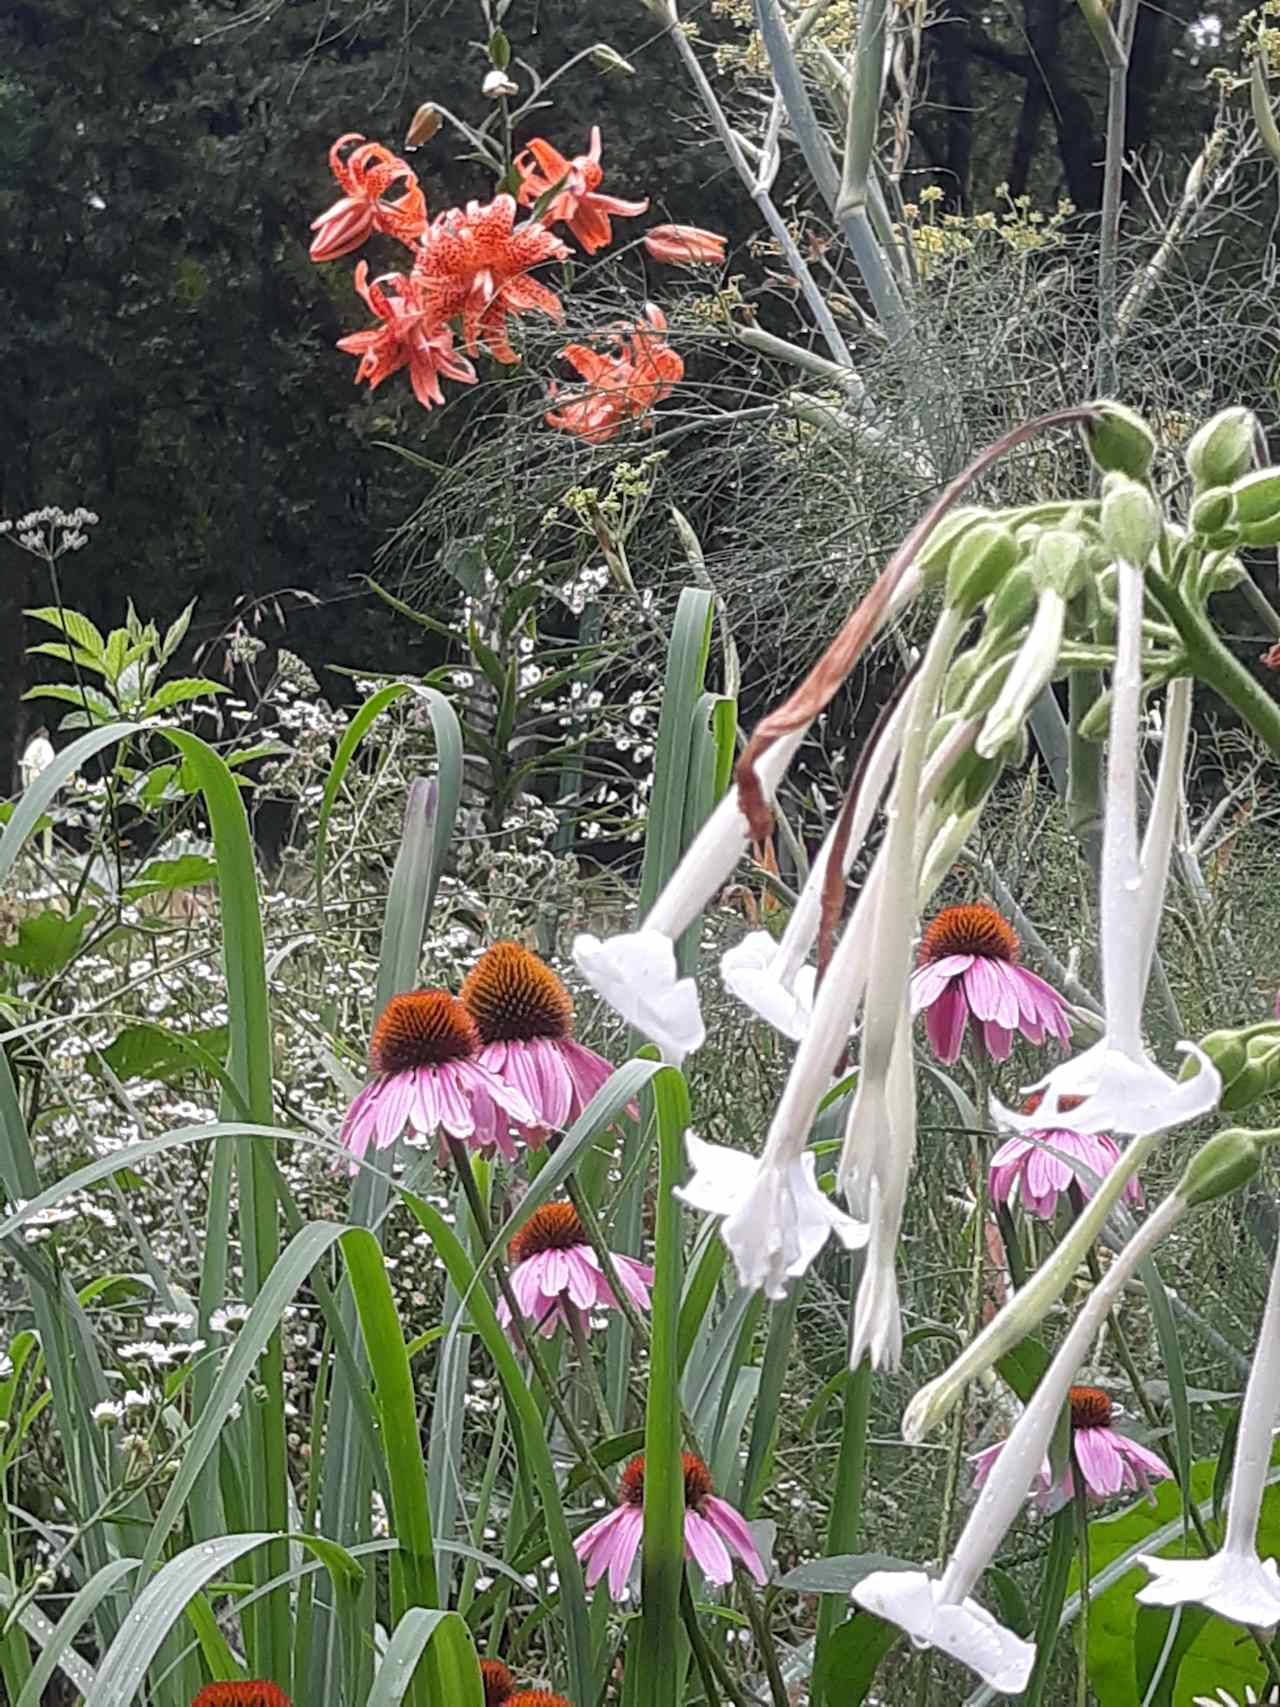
[1210, 662]
[845, 1521]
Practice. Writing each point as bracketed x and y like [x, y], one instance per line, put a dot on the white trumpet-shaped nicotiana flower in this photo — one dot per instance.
[1235, 1583]
[940, 1612]
[774, 977]
[776, 1216]
[1031, 670]
[636, 972]
[1119, 1086]
[877, 1315]
[880, 1133]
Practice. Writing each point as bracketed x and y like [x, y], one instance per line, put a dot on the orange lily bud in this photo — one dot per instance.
[683, 245]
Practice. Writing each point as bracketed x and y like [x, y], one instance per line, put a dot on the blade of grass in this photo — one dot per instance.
[445, 1638]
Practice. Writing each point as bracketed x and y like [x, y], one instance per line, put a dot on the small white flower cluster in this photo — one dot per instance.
[49, 532]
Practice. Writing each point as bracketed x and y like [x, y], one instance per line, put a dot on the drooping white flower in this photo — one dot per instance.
[1235, 1582]
[943, 1613]
[877, 1316]
[774, 978]
[776, 1218]
[636, 971]
[1121, 1089]
[758, 972]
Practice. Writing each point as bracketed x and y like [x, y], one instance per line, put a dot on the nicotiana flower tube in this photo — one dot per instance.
[1120, 1087]
[636, 971]
[776, 1218]
[939, 1612]
[773, 976]
[880, 1133]
[1235, 1583]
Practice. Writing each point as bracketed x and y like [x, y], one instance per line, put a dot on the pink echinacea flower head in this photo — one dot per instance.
[427, 1079]
[557, 1277]
[968, 971]
[1022, 1166]
[713, 1531]
[524, 1017]
[1110, 1462]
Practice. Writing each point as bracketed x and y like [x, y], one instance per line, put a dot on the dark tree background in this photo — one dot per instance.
[167, 346]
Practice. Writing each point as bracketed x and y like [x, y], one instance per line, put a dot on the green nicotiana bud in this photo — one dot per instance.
[1212, 512]
[1060, 562]
[984, 681]
[935, 557]
[1257, 507]
[1248, 1058]
[1131, 519]
[979, 563]
[1256, 498]
[1120, 440]
[1228, 1050]
[1093, 725]
[1013, 602]
[1223, 1165]
[1222, 450]
[1220, 572]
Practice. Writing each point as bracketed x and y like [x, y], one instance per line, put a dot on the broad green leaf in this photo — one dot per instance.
[178, 692]
[851, 1657]
[47, 941]
[161, 875]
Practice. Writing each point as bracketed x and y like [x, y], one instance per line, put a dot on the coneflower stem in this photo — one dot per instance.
[588, 1365]
[528, 1342]
[705, 1654]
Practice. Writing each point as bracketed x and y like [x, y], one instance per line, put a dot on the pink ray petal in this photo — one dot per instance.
[706, 1549]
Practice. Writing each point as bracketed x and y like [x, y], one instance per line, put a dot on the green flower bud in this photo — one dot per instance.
[1256, 498]
[1223, 1165]
[1227, 1050]
[1220, 572]
[1212, 512]
[978, 564]
[1120, 440]
[1059, 563]
[969, 782]
[1131, 519]
[1013, 602]
[1222, 450]
[935, 556]
[1095, 722]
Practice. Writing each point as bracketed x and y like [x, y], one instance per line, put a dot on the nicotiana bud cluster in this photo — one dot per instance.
[1248, 1059]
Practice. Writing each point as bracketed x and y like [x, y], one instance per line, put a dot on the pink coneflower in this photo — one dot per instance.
[428, 1078]
[712, 1529]
[524, 1018]
[556, 1272]
[1109, 1461]
[969, 971]
[1039, 1179]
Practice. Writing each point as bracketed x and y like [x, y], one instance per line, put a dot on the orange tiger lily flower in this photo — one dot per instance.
[622, 386]
[364, 177]
[683, 245]
[409, 336]
[474, 265]
[576, 204]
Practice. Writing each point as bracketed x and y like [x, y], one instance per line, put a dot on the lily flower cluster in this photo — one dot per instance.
[469, 272]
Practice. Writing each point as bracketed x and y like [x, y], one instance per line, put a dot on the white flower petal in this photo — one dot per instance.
[965, 1630]
[1237, 1586]
[636, 974]
[748, 970]
[776, 1218]
[1122, 1093]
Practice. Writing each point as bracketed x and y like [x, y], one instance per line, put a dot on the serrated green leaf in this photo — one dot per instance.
[48, 941]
